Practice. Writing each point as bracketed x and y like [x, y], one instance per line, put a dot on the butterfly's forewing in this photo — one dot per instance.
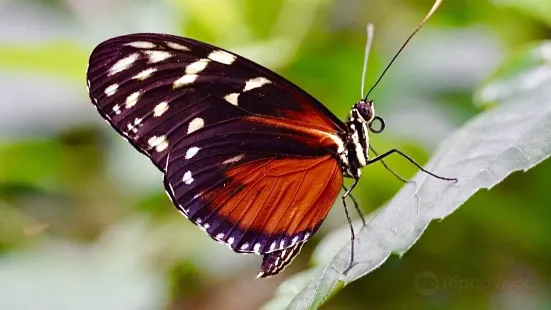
[247, 155]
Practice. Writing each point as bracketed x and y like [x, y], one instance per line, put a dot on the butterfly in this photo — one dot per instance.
[249, 157]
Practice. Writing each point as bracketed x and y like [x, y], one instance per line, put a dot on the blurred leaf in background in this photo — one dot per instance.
[107, 237]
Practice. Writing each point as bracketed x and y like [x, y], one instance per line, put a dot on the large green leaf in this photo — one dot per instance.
[513, 136]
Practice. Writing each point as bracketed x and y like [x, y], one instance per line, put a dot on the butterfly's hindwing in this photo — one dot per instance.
[255, 204]
[273, 263]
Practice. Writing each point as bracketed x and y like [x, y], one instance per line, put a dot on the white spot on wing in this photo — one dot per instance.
[177, 46]
[132, 99]
[230, 241]
[234, 159]
[158, 142]
[141, 44]
[157, 56]
[295, 240]
[220, 236]
[272, 247]
[256, 248]
[222, 57]
[161, 147]
[123, 64]
[256, 83]
[199, 220]
[232, 98]
[185, 80]
[188, 179]
[196, 124]
[160, 109]
[192, 151]
[206, 226]
[245, 246]
[111, 90]
[198, 66]
[282, 244]
[117, 109]
[145, 74]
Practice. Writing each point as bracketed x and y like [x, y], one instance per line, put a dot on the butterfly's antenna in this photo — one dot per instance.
[432, 10]
[370, 31]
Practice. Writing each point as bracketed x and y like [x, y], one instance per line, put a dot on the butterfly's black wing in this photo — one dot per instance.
[248, 156]
[144, 83]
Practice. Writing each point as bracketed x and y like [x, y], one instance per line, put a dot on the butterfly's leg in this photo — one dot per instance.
[390, 169]
[387, 153]
[355, 205]
[352, 235]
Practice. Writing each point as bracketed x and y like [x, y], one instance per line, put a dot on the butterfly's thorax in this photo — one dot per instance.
[357, 145]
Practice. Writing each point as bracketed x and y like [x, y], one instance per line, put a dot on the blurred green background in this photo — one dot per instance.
[85, 223]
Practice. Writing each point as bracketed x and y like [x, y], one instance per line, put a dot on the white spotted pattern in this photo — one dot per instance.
[111, 90]
[256, 83]
[220, 236]
[232, 98]
[117, 109]
[192, 151]
[133, 127]
[272, 247]
[157, 56]
[197, 66]
[230, 240]
[177, 46]
[132, 99]
[234, 159]
[206, 226]
[158, 142]
[184, 80]
[256, 248]
[295, 240]
[123, 64]
[222, 57]
[160, 109]
[245, 246]
[141, 44]
[188, 179]
[145, 74]
[196, 124]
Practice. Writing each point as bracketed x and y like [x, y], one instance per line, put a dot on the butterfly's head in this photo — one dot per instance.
[365, 112]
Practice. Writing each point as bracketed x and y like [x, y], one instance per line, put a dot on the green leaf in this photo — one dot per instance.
[289, 289]
[522, 73]
[538, 9]
[513, 136]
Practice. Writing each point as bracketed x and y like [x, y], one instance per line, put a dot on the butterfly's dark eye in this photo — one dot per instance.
[366, 110]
